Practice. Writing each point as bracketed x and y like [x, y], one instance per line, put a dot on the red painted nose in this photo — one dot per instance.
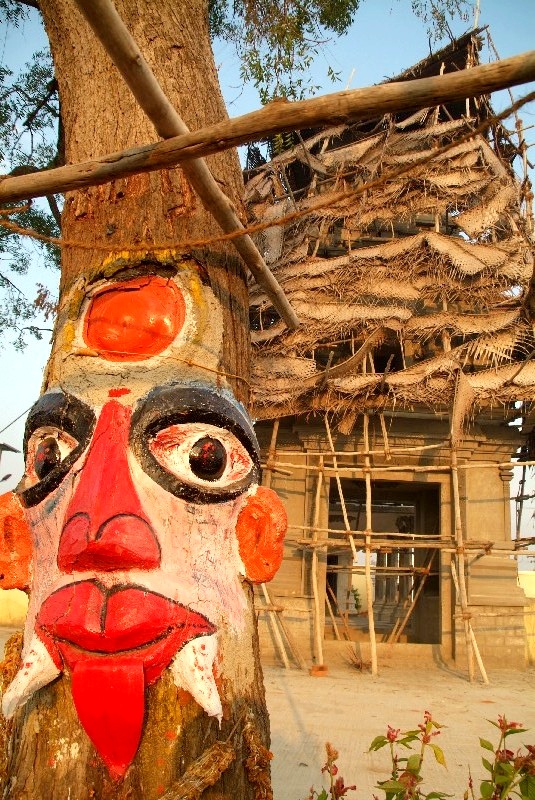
[105, 527]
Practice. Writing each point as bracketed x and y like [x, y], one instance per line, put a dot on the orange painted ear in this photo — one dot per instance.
[15, 544]
[260, 530]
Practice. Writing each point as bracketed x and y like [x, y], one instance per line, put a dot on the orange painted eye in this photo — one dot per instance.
[136, 319]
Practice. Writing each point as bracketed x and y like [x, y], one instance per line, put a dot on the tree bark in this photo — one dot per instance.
[50, 755]
[99, 112]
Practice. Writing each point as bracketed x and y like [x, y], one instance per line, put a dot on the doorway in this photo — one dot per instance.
[405, 577]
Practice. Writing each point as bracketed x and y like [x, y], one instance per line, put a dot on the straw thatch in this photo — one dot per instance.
[403, 284]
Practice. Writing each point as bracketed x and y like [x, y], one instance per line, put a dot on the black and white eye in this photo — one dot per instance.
[202, 455]
[47, 449]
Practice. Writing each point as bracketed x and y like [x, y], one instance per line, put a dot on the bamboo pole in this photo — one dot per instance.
[473, 640]
[392, 450]
[314, 569]
[331, 615]
[342, 616]
[272, 452]
[340, 492]
[398, 631]
[351, 469]
[333, 109]
[368, 563]
[274, 626]
[460, 582]
[127, 57]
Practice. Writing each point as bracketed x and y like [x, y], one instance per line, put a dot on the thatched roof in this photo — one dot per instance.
[403, 284]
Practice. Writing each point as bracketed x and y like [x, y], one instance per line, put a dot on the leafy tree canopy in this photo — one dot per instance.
[277, 41]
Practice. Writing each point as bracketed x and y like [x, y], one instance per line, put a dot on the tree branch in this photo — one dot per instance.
[333, 109]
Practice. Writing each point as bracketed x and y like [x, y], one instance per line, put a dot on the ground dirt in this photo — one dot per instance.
[349, 708]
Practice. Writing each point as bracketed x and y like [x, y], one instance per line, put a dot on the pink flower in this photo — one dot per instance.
[504, 755]
[392, 733]
[505, 726]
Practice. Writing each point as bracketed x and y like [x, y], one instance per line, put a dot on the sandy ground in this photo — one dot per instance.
[349, 708]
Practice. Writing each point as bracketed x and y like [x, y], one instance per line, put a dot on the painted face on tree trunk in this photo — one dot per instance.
[141, 491]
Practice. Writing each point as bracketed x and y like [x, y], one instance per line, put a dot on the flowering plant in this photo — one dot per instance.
[511, 773]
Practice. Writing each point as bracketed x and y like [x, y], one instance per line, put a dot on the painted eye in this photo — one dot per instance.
[47, 456]
[208, 458]
[202, 455]
[47, 449]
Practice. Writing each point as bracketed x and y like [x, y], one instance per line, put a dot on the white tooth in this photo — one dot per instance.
[192, 670]
[37, 670]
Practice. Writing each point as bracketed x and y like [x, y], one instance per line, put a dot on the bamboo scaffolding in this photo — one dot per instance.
[275, 618]
[340, 492]
[269, 608]
[343, 617]
[292, 646]
[318, 634]
[369, 586]
[351, 469]
[333, 620]
[460, 581]
[400, 626]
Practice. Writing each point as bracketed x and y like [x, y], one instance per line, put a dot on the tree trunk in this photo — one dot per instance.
[99, 113]
[134, 224]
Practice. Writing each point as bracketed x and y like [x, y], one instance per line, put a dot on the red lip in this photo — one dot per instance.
[86, 620]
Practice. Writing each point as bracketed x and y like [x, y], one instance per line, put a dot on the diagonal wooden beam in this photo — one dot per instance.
[127, 57]
[333, 109]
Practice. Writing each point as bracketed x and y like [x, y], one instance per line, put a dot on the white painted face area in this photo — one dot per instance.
[199, 565]
[193, 670]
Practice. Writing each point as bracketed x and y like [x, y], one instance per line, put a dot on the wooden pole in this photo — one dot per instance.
[272, 452]
[369, 585]
[315, 590]
[331, 614]
[127, 57]
[398, 629]
[461, 582]
[333, 109]
[340, 492]
[275, 627]
[472, 635]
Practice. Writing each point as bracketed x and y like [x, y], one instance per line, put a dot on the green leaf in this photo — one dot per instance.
[390, 786]
[488, 766]
[439, 754]
[413, 764]
[527, 787]
[486, 744]
[323, 795]
[486, 789]
[512, 731]
[378, 742]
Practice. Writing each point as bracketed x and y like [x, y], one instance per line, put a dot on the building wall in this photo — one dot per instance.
[495, 599]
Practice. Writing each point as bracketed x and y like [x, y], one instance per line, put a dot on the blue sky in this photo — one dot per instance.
[385, 39]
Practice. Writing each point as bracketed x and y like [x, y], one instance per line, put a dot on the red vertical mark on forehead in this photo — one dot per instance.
[134, 320]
